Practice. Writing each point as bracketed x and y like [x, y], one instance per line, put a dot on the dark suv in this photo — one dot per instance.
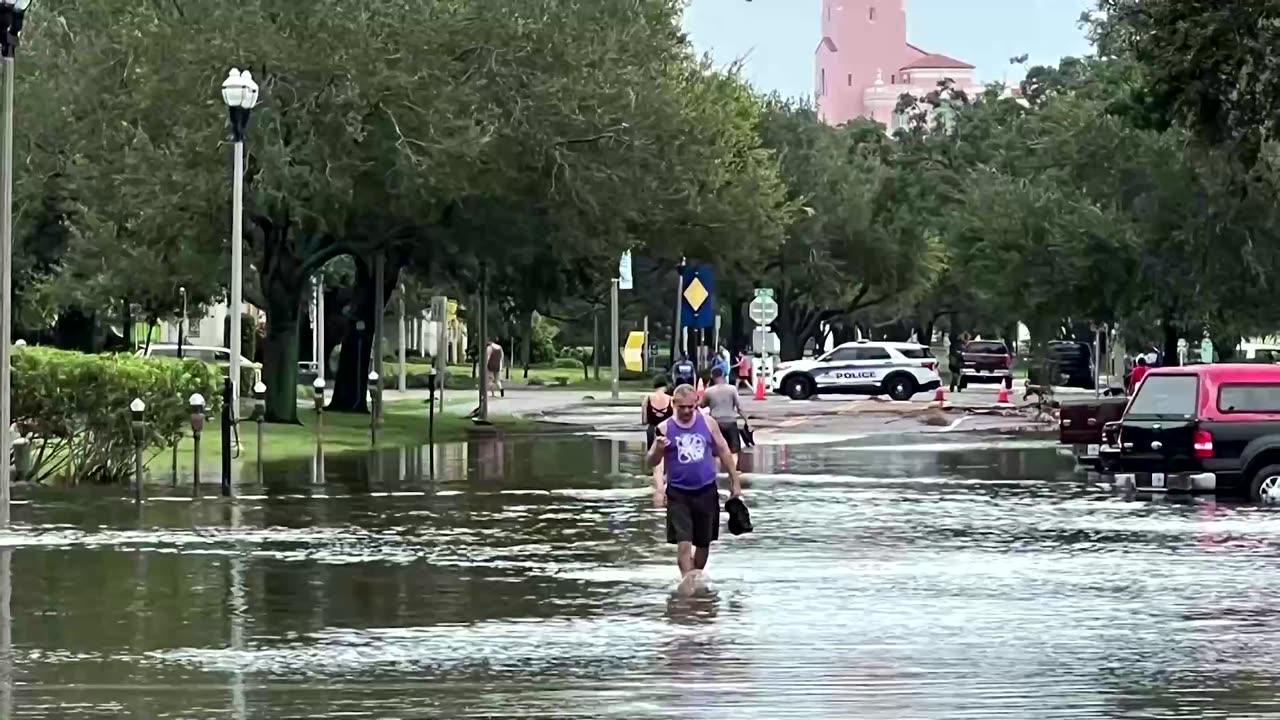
[1205, 428]
[1073, 362]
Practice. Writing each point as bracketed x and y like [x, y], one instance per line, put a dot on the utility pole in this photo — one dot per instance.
[613, 325]
[483, 343]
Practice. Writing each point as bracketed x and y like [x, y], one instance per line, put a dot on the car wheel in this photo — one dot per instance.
[797, 388]
[900, 387]
[1265, 487]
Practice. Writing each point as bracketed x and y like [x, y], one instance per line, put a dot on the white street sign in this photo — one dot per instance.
[765, 342]
[763, 310]
[625, 281]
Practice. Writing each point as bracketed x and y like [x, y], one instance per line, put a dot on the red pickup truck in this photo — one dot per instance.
[1081, 424]
[1206, 428]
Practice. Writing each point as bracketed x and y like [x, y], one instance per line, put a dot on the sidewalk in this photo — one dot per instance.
[518, 402]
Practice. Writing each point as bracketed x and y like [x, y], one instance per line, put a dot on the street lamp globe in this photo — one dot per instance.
[260, 388]
[196, 401]
[137, 405]
[239, 89]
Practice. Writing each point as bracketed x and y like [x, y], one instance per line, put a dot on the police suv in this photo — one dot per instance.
[899, 370]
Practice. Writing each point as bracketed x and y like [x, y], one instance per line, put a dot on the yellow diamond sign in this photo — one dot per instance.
[696, 294]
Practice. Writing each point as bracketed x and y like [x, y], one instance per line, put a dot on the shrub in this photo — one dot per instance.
[536, 382]
[75, 407]
[567, 363]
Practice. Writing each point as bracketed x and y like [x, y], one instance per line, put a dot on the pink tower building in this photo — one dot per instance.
[864, 62]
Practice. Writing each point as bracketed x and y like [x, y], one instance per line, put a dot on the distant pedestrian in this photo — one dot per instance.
[742, 370]
[686, 444]
[493, 366]
[1139, 372]
[683, 372]
[722, 400]
[655, 410]
[722, 361]
[955, 362]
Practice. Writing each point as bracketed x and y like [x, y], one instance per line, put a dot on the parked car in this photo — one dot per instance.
[205, 353]
[899, 370]
[1081, 424]
[986, 361]
[1204, 428]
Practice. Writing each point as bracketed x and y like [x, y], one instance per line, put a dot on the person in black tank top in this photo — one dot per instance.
[655, 409]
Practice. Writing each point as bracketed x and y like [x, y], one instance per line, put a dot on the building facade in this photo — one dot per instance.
[864, 63]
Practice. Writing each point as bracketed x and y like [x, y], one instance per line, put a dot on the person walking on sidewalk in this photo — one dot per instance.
[683, 372]
[722, 400]
[955, 361]
[686, 444]
[493, 365]
[655, 410]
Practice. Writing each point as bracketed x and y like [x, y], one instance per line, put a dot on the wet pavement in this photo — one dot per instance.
[895, 576]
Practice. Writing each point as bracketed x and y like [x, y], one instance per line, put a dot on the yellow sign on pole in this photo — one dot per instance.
[633, 352]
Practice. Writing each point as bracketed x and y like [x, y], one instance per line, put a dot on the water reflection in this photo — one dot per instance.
[975, 578]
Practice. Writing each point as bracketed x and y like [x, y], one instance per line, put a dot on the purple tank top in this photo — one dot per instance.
[690, 456]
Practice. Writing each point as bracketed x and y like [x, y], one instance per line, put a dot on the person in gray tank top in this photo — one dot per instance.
[722, 400]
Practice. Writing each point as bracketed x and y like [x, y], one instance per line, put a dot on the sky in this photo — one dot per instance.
[776, 38]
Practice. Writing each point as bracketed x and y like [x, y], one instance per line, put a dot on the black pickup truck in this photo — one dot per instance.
[1081, 423]
[1206, 428]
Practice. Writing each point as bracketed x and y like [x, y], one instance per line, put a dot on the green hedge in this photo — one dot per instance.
[567, 363]
[75, 407]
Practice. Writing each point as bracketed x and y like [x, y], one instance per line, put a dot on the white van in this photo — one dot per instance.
[204, 353]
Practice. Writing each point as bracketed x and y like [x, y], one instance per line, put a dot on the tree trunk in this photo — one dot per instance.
[528, 343]
[75, 330]
[351, 382]
[280, 371]
[1170, 348]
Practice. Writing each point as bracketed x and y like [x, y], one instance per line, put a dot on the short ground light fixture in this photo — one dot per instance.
[375, 406]
[259, 415]
[196, 403]
[138, 423]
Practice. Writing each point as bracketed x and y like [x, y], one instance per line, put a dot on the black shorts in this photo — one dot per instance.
[731, 435]
[693, 515]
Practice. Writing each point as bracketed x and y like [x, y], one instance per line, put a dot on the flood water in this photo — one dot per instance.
[968, 577]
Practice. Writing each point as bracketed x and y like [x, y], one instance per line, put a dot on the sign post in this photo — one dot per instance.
[613, 335]
[624, 281]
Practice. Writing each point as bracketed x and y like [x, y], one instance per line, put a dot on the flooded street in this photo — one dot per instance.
[967, 577]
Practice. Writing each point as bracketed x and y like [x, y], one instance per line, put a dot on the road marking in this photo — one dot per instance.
[955, 424]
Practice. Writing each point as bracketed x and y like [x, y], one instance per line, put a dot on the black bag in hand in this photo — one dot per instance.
[739, 516]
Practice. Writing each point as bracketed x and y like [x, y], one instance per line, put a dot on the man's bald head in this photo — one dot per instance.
[685, 393]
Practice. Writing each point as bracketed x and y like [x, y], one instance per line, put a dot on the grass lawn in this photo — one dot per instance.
[547, 375]
[404, 423]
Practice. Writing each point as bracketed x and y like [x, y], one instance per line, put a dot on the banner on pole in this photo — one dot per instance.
[697, 304]
[625, 280]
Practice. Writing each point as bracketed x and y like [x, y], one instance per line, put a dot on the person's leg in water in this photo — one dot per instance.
[686, 558]
[700, 557]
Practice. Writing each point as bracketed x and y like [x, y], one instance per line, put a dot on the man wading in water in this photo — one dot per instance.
[687, 445]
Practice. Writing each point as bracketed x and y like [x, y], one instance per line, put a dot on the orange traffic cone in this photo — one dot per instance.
[940, 398]
[759, 393]
[1002, 397]
[702, 389]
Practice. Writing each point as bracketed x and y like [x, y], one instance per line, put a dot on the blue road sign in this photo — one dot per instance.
[697, 302]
